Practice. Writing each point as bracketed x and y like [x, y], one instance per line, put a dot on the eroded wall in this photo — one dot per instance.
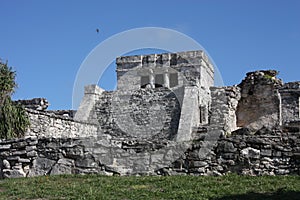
[142, 114]
[290, 102]
[223, 108]
[260, 100]
[50, 124]
[264, 152]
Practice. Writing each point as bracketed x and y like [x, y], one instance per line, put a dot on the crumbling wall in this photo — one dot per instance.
[260, 100]
[35, 104]
[264, 152]
[101, 155]
[223, 108]
[290, 105]
[50, 124]
[141, 114]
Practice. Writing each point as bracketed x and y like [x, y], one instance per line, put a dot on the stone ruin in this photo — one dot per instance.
[165, 118]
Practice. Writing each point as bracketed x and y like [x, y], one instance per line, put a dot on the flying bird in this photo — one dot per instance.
[97, 30]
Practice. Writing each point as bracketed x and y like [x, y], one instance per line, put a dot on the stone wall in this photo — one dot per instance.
[35, 104]
[57, 124]
[260, 100]
[264, 152]
[290, 105]
[223, 108]
[193, 68]
[17, 157]
[101, 155]
[142, 114]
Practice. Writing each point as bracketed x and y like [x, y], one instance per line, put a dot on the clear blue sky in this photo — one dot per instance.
[46, 41]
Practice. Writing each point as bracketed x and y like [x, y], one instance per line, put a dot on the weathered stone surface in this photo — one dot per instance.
[5, 147]
[13, 173]
[263, 154]
[144, 113]
[19, 144]
[19, 153]
[166, 119]
[250, 153]
[290, 93]
[24, 160]
[260, 100]
[224, 103]
[35, 104]
[199, 163]
[61, 169]
[6, 164]
[73, 152]
[49, 124]
[41, 166]
[65, 161]
[266, 152]
[86, 162]
[227, 147]
[31, 154]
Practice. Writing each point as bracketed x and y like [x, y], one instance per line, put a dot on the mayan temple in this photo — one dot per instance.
[165, 118]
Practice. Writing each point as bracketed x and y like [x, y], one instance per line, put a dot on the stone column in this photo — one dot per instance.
[152, 78]
[166, 80]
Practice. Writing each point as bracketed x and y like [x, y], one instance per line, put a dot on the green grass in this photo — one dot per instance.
[171, 187]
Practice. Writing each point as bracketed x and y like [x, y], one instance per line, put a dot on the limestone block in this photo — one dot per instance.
[86, 162]
[18, 144]
[41, 166]
[228, 147]
[19, 153]
[6, 164]
[282, 171]
[13, 173]
[229, 156]
[13, 158]
[30, 148]
[5, 154]
[26, 169]
[65, 161]
[266, 152]
[61, 169]
[92, 171]
[199, 164]
[73, 152]
[31, 154]
[5, 147]
[250, 153]
[24, 160]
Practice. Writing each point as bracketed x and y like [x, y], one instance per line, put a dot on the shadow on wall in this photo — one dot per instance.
[280, 194]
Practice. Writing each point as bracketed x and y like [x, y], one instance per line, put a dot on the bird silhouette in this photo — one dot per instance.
[97, 30]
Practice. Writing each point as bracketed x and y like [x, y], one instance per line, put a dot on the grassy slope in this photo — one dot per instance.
[173, 187]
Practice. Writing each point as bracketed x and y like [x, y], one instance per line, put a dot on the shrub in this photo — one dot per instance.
[13, 117]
